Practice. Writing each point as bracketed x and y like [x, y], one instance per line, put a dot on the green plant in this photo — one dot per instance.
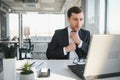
[26, 69]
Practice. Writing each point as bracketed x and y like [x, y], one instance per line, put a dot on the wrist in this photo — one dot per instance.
[66, 49]
[80, 45]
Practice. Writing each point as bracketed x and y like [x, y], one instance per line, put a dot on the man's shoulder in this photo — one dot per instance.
[61, 30]
[83, 30]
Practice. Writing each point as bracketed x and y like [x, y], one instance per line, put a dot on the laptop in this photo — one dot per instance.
[103, 60]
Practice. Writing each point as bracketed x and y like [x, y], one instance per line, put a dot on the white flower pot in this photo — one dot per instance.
[27, 76]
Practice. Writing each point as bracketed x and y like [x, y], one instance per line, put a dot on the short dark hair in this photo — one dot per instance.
[74, 9]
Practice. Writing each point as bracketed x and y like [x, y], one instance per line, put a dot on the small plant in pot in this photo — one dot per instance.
[27, 73]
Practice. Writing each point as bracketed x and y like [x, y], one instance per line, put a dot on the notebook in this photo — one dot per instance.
[103, 58]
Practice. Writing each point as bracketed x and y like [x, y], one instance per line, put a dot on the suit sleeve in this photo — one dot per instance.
[54, 51]
[82, 52]
[86, 43]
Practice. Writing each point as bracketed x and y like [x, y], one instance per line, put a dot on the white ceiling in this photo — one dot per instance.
[42, 6]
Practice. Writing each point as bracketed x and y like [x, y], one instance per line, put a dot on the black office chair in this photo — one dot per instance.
[26, 50]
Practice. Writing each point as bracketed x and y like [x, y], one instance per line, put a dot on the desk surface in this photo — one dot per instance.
[60, 71]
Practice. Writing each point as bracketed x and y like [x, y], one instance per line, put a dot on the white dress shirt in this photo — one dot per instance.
[72, 54]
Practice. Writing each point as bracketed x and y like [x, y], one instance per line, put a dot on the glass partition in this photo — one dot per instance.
[113, 18]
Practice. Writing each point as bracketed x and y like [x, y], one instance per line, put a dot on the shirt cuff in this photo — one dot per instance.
[64, 51]
[80, 45]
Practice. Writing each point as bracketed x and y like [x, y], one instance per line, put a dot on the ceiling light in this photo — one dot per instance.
[48, 8]
[47, 1]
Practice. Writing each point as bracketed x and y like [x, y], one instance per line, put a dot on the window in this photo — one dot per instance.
[113, 19]
[43, 24]
[13, 25]
[95, 16]
[40, 24]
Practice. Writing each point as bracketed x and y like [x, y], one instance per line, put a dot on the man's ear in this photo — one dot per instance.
[68, 19]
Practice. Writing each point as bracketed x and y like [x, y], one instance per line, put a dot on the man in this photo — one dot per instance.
[71, 42]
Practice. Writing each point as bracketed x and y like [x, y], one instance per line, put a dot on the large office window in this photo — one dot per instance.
[95, 16]
[43, 24]
[39, 24]
[113, 18]
[13, 25]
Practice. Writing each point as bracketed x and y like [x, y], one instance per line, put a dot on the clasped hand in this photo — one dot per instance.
[72, 45]
[75, 38]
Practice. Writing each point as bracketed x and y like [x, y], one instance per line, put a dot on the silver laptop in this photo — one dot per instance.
[103, 58]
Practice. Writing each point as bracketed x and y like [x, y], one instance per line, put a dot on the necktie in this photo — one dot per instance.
[72, 54]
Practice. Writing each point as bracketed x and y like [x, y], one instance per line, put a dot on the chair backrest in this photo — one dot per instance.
[31, 47]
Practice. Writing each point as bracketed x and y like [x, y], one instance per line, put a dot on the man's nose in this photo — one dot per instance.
[78, 22]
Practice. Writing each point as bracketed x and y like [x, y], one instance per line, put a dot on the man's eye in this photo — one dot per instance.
[81, 19]
[75, 19]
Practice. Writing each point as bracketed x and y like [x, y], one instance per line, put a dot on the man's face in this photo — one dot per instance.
[76, 21]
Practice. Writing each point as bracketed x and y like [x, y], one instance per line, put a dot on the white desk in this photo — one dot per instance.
[60, 71]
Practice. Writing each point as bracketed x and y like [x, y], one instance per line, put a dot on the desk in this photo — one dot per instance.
[60, 71]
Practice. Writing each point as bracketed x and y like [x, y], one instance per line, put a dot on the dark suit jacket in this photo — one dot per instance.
[60, 40]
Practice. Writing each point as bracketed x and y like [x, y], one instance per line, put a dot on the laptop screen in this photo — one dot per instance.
[103, 55]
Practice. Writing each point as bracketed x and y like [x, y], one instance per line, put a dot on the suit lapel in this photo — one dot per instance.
[66, 40]
[80, 35]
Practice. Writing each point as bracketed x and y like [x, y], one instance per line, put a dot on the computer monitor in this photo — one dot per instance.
[103, 58]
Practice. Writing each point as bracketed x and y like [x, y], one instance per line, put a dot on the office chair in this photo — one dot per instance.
[26, 50]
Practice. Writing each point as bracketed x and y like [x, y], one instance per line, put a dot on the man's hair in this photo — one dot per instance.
[74, 9]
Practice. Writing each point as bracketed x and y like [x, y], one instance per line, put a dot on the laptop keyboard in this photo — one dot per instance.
[77, 69]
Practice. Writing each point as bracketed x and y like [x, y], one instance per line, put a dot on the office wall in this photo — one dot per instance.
[3, 32]
[0, 26]
[3, 28]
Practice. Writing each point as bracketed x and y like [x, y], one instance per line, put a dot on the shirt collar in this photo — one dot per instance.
[69, 30]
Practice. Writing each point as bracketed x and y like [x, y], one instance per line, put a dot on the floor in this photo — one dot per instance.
[39, 55]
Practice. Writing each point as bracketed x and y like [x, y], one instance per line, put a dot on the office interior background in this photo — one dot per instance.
[38, 20]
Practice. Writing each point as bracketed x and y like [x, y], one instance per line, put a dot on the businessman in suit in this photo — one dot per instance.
[71, 42]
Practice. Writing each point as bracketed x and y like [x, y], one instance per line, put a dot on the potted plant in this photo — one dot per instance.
[26, 72]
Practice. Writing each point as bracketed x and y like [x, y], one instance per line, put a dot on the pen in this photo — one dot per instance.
[39, 64]
[32, 63]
